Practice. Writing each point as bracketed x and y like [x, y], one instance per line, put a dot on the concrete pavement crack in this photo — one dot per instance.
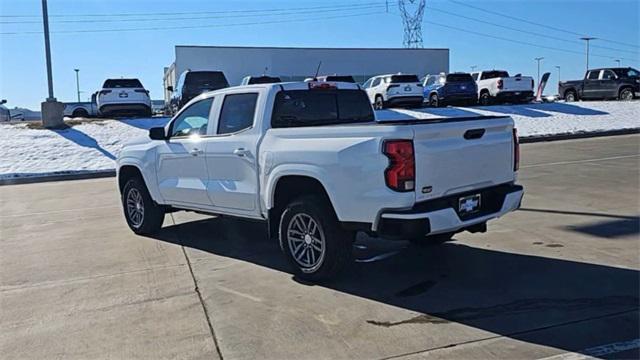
[202, 303]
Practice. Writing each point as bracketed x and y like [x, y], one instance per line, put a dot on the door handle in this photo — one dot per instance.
[196, 152]
[242, 152]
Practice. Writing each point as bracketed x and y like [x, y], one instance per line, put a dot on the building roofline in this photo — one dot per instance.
[300, 48]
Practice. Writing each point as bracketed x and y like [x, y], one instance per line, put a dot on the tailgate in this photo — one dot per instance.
[517, 84]
[458, 156]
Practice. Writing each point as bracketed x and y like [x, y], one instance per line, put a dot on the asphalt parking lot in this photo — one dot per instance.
[558, 276]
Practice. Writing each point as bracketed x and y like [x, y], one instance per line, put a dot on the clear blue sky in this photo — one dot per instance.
[143, 54]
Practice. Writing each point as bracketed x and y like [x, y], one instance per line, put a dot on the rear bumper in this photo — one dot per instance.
[125, 108]
[404, 100]
[460, 97]
[515, 95]
[441, 215]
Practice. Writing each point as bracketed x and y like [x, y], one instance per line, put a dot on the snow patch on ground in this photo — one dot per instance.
[93, 146]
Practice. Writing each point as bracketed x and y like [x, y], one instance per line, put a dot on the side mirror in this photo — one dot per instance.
[157, 133]
[3, 101]
[170, 88]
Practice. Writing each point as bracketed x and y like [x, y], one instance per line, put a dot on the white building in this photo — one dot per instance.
[294, 64]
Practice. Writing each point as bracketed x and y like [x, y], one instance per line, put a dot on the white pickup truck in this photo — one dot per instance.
[310, 159]
[496, 86]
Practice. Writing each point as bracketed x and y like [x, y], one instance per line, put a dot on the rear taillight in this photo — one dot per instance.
[516, 150]
[500, 84]
[142, 91]
[401, 174]
[104, 92]
[532, 85]
[391, 87]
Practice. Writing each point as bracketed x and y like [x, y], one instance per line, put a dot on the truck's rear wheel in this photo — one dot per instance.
[626, 94]
[143, 215]
[485, 98]
[570, 96]
[80, 113]
[312, 240]
[433, 239]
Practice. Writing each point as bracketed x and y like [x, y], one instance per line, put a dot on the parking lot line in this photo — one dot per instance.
[580, 161]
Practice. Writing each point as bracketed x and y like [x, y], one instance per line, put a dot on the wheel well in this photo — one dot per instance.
[484, 91]
[127, 172]
[624, 87]
[288, 188]
[570, 90]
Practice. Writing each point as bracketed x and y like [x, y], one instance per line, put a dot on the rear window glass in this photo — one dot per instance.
[341, 78]
[395, 79]
[494, 74]
[122, 83]
[206, 80]
[626, 73]
[320, 107]
[264, 80]
[459, 78]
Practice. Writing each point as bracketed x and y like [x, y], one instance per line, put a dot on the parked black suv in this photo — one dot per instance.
[193, 83]
[605, 83]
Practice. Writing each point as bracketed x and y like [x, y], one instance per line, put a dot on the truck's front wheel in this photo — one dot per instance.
[143, 215]
[312, 240]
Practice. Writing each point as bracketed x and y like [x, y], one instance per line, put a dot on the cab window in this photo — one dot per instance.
[593, 75]
[193, 120]
[237, 113]
[608, 75]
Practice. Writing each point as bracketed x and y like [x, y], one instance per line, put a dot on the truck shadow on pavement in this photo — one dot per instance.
[510, 294]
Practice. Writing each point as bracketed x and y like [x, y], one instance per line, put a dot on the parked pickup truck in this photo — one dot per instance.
[608, 83]
[81, 109]
[311, 161]
[497, 86]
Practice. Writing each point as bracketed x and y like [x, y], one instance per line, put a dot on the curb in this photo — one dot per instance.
[59, 177]
[582, 135]
[112, 173]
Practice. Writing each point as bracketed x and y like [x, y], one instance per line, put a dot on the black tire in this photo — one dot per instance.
[626, 94]
[135, 196]
[570, 96]
[433, 101]
[485, 98]
[336, 244]
[379, 103]
[80, 113]
[433, 239]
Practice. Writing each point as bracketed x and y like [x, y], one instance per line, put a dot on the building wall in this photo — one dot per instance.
[294, 64]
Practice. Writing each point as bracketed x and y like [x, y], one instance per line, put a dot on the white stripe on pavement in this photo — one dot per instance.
[580, 161]
[598, 351]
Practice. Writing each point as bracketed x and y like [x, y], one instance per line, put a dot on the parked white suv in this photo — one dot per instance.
[123, 97]
[495, 86]
[310, 160]
[394, 90]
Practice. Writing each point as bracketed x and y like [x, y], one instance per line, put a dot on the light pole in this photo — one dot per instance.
[538, 59]
[558, 67]
[587, 39]
[473, 68]
[618, 61]
[51, 109]
[77, 82]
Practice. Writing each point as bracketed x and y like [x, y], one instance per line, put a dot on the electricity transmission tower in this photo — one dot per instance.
[412, 21]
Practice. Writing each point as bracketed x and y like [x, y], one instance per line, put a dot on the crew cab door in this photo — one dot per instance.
[591, 88]
[608, 84]
[232, 158]
[181, 166]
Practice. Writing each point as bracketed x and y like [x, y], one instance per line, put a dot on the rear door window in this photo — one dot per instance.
[238, 111]
[320, 107]
[608, 75]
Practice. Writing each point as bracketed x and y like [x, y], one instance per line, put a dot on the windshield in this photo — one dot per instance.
[627, 73]
[320, 107]
[396, 79]
[206, 80]
[459, 78]
[121, 83]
